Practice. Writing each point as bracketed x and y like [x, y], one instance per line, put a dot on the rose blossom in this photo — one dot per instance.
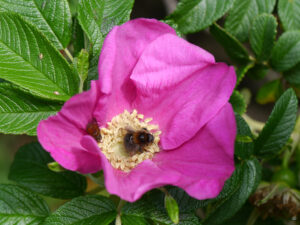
[150, 78]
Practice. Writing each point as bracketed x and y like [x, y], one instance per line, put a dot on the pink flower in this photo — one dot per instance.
[146, 69]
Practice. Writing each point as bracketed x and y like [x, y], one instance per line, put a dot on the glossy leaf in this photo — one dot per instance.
[286, 52]
[98, 17]
[249, 173]
[29, 60]
[92, 210]
[244, 146]
[232, 46]
[288, 11]
[53, 18]
[192, 16]
[30, 170]
[20, 113]
[19, 206]
[238, 103]
[243, 12]
[279, 126]
[262, 36]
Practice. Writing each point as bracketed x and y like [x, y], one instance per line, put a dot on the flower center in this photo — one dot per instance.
[128, 140]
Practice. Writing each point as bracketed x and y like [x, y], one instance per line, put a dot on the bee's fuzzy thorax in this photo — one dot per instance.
[112, 145]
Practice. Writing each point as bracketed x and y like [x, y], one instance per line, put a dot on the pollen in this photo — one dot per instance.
[112, 142]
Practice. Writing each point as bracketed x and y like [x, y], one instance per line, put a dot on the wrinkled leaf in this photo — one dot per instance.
[196, 15]
[30, 169]
[243, 12]
[92, 210]
[20, 113]
[19, 206]
[145, 212]
[249, 173]
[53, 18]
[29, 60]
[288, 11]
[262, 36]
[279, 126]
[286, 52]
[98, 17]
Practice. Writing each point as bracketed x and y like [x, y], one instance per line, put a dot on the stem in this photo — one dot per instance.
[118, 218]
[253, 217]
[69, 54]
[286, 158]
[164, 190]
[81, 85]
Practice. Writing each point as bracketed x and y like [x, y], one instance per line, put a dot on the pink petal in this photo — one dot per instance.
[180, 87]
[61, 134]
[120, 52]
[200, 166]
[206, 161]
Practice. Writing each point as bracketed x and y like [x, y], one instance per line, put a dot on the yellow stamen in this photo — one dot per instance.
[112, 143]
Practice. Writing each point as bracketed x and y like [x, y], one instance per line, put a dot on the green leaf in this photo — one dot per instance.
[262, 36]
[243, 12]
[279, 126]
[293, 75]
[269, 92]
[288, 11]
[29, 60]
[77, 37]
[244, 146]
[98, 17]
[238, 103]
[232, 46]
[30, 170]
[20, 113]
[286, 52]
[172, 208]
[19, 206]
[81, 64]
[196, 15]
[249, 174]
[53, 18]
[92, 210]
[143, 211]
